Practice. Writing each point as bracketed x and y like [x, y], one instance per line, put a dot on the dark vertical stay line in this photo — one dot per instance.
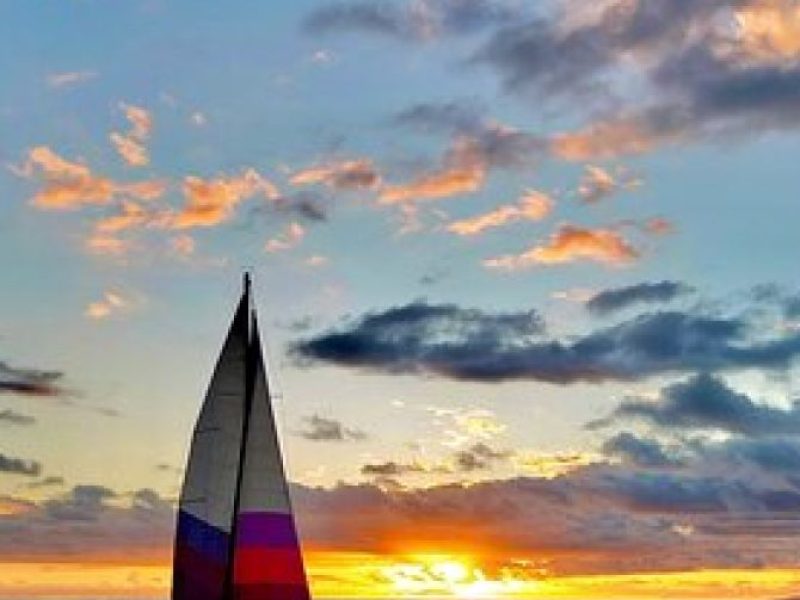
[250, 371]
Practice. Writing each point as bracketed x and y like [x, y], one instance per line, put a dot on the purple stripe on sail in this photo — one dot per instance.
[270, 530]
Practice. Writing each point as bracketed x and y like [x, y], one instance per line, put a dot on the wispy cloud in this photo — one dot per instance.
[287, 240]
[112, 303]
[210, 202]
[69, 185]
[66, 79]
[13, 417]
[18, 466]
[323, 429]
[343, 175]
[533, 206]
[598, 183]
[131, 145]
[30, 382]
[615, 299]
[412, 20]
[569, 244]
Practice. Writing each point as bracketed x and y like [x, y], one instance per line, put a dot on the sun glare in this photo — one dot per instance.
[450, 576]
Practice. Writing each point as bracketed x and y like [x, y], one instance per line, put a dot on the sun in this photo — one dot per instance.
[460, 577]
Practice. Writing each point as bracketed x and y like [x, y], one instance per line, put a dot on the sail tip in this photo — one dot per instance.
[246, 282]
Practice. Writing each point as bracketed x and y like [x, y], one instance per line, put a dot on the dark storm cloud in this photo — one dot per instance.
[474, 345]
[12, 417]
[410, 20]
[321, 429]
[706, 402]
[640, 452]
[29, 382]
[609, 301]
[19, 466]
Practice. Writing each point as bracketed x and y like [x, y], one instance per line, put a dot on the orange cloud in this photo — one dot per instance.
[70, 185]
[293, 235]
[110, 303]
[598, 183]
[210, 202]
[132, 215]
[344, 175]
[183, 245]
[464, 172]
[533, 206]
[131, 151]
[140, 119]
[769, 30]
[130, 146]
[569, 244]
[609, 139]
[106, 245]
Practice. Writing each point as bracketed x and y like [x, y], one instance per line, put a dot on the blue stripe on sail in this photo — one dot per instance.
[202, 537]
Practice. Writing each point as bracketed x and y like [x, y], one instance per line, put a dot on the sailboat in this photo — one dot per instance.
[236, 537]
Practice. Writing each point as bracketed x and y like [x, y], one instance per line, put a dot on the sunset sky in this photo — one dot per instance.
[527, 275]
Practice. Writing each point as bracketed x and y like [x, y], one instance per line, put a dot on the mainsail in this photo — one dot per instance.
[236, 538]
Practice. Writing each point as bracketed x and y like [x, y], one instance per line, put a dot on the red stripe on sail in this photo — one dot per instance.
[268, 565]
[272, 591]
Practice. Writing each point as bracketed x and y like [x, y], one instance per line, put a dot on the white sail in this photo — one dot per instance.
[207, 501]
[267, 559]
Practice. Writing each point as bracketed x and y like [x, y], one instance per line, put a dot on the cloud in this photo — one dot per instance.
[290, 238]
[417, 20]
[463, 172]
[616, 299]
[391, 469]
[478, 457]
[29, 382]
[12, 417]
[321, 429]
[210, 202]
[640, 452]
[344, 175]
[67, 79]
[140, 119]
[569, 244]
[467, 163]
[130, 146]
[69, 185]
[533, 206]
[90, 523]
[706, 402]
[598, 184]
[18, 466]
[473, 345]
[132, 152]
[46, 482]
[110, 304]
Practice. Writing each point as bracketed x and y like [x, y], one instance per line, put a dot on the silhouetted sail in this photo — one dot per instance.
[267, 561]
[236, 538]
[207, 501]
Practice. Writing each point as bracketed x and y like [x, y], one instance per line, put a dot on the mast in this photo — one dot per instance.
[250, 371]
